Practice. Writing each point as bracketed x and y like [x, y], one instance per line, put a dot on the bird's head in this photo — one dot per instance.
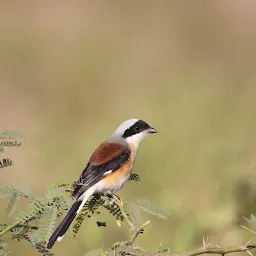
[134, 131]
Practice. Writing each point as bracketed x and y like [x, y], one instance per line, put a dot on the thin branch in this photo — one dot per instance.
[206, 249]
[209, 250]
[10, 227]
[119, 203]
[136, 233]
[248, 229]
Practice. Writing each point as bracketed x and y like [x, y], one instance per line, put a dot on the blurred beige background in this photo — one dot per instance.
[70, 72]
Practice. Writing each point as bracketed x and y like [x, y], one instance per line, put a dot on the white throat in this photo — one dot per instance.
[136, 139]
[133, 140]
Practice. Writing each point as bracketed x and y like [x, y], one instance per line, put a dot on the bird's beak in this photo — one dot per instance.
[152, 130]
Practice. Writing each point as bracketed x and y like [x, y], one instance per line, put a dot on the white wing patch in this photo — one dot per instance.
[59, 238]
[107, 172]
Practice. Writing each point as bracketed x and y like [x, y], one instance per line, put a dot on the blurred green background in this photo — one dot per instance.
[72, 71]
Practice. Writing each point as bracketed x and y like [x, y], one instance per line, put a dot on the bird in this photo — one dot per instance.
[107, 170]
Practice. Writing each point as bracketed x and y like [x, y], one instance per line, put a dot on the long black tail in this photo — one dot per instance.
[64, 225]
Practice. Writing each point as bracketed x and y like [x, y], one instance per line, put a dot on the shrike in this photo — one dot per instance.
[108, 169]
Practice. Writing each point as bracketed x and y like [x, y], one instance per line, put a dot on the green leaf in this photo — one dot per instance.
[78, 222]
[14, 192]
[67, 185]
[46, 224]
[64, 204]
[25, 192]
[2, 244]
[158, 249]
[112, 208]
[133, 212]
[93, 204]
[57, 192]
[135, 177]
[123, 249]
[41, 248]
[150, 208]
[32, 211]
[96, 252]
[6, 191]
[251, 221]
[3, 226]
[63, 183]
[9, 134]
[13, 202]
[89, 209]
[3, 248]
[19, 232]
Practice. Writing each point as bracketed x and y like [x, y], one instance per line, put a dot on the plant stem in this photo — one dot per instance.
[119, 203]
[207, 250]
[136, 233]
[248, 229]
[10, 227]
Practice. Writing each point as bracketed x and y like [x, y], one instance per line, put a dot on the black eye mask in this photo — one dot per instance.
[138, 127]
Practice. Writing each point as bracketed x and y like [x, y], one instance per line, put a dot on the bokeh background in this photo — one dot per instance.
[71, 71]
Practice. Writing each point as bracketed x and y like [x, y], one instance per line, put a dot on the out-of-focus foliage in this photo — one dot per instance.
[36, 223]
[251, 220]
[71, 72]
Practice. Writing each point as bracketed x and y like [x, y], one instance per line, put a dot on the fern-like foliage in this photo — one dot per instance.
[127, 250]
[93, 204]
[36, 222]
[113, 209]
[158, 249]
[3, 226]
[121, 248]
[96, 252]
[10, 134]
[40, 248]
[33, 210]
[134, 213]
[46, 226]
[25, 193]
[3, 248]
[59, 190]
[56, 192]
[63, 204]
[14, 193]
[135, 177]
[59, 196]
[6, 191]
[13, 202]
[251, 221]
[150, 208]
[20, 232]
[91, 208]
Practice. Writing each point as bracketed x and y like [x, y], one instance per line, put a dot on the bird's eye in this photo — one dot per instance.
[137, 129]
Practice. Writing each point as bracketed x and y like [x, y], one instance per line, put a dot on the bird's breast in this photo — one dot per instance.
[116, 180]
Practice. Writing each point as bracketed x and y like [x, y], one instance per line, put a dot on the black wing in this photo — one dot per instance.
[94, 173]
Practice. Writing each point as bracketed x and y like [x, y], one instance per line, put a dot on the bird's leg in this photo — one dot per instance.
[114, 197]
[118, 201]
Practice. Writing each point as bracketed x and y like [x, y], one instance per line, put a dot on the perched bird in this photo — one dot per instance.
[108, 169]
